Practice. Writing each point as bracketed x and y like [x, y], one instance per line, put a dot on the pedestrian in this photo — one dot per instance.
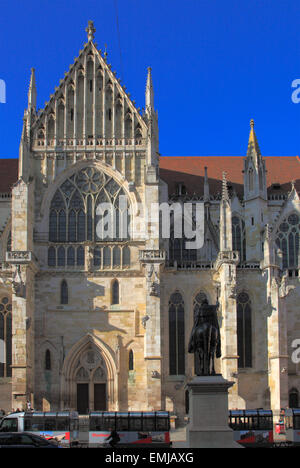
[28, 405]
[115, 438]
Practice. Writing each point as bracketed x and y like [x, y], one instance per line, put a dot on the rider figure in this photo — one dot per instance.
[115, 438]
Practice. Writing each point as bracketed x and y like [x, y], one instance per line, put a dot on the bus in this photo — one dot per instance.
[62, 426]
[292, 425]
[134, 428]
[252, 426]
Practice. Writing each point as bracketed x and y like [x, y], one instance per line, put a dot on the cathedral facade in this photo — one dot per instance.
[99, 319]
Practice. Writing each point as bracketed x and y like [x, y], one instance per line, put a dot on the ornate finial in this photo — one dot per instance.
[293, 184]
[105, 52]
[90, 31]
[252, 123]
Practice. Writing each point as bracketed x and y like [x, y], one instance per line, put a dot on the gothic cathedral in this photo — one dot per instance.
[102, 322]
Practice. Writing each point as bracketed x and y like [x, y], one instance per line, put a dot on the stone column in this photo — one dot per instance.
[152, 260]
[25, 267]
[277, 345]
[226, 276]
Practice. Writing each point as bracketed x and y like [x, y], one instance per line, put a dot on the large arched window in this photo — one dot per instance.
[287, 239]
[176, 335]
[244, 330]
[178, 250]
[5, 337]
[89, 205]
[239, 237]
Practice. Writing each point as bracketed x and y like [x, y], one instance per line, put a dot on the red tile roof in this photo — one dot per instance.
[190, 171]
[8, 174]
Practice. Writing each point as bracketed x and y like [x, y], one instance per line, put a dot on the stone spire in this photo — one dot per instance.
[90, 31]
[225, 218]
[149, 92]
[32, 91]
[253, 150]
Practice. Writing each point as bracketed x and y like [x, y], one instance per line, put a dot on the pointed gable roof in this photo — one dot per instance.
[89, 49]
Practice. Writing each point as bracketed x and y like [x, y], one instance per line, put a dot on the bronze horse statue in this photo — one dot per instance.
[205, 340]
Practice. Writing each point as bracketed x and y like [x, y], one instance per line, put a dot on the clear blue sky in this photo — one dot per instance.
[216, 64]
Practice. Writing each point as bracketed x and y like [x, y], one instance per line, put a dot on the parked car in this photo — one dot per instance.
[25, 440]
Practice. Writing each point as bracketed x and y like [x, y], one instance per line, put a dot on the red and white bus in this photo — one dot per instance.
[252, 426]
[62, 426]
[134, 428]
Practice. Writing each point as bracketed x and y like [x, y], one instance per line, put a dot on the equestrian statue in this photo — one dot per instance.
[205, 340]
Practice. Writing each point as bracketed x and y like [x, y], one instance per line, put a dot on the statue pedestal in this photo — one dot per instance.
[208, 413]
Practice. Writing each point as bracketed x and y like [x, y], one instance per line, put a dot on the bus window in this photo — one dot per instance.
[50, 423]
[265, 423]
[37, 423]
[148, 422]
[9, 425]
[162, 423]
[62, 423]
[122, 422]
[135, 422]
[109, 422]
[297, 421]
[96, 423]
[27, 423]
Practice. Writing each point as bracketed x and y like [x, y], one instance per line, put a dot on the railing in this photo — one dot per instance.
[89, 141]
[189, 265]
[249, 265]
[155, 254]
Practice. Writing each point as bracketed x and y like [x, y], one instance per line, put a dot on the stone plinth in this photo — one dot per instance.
[208, 415]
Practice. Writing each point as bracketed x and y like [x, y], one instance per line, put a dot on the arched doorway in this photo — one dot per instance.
[91, 379]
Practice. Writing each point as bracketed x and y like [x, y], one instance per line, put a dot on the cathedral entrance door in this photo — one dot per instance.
[100, 397]
[83, 398]
[91, 381]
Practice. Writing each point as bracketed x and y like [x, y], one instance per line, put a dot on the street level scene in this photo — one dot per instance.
[149, 287]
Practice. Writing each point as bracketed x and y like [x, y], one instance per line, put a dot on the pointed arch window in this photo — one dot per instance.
[64, 293]
[244, 330]
[288, 240]
[47, 360]
[176, 335]
[130, 360]
[115, 296]
[239, 237]
[73, 211]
